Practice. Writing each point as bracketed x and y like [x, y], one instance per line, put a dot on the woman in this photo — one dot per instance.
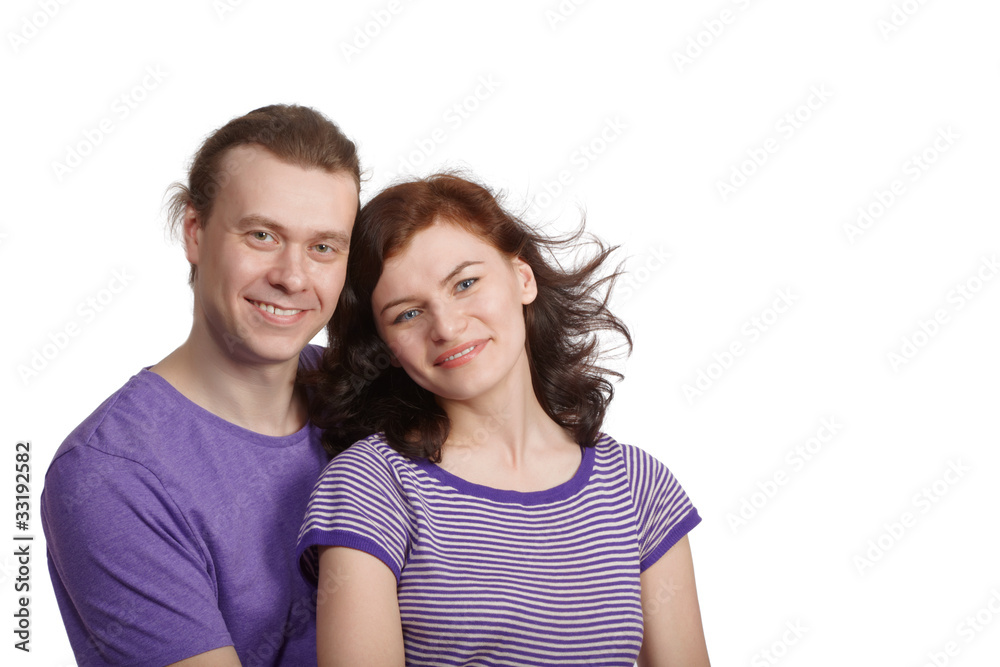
[488, 521]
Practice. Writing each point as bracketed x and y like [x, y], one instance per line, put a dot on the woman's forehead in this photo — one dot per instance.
[437, 245]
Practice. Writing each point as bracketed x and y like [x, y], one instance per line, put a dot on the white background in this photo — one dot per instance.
[673, 130]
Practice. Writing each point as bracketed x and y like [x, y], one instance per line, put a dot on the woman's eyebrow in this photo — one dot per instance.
[457, 270]
[444, 281]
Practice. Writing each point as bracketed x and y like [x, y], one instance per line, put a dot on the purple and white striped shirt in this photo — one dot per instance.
[492, 577]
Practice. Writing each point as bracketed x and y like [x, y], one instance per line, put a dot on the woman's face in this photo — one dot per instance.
[449, 306]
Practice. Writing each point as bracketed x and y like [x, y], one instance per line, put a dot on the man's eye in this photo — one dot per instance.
[323, 248]
[262, 236]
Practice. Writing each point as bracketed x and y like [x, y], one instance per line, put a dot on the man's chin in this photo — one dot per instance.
[275, 353]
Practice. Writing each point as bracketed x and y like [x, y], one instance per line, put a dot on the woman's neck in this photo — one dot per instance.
[505, 439]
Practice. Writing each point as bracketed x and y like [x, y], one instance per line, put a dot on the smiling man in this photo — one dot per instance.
[171, 512]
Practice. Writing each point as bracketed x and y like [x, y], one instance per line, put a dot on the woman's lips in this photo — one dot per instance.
[461, 354]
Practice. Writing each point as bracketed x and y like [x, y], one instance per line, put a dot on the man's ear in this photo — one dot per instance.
[526, 280]
[192, 228]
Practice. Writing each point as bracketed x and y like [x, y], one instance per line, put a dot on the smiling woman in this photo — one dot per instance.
[488, 519]
[442, 324]
[363, 391]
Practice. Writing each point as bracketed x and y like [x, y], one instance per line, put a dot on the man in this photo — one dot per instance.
[171, 513]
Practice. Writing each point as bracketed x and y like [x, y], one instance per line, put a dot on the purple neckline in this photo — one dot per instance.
[190, 407]
[559, 492]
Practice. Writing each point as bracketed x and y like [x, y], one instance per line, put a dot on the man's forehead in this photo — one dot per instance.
[235, 156]
[251, 172]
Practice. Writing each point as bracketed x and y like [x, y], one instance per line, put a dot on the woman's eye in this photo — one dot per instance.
[466, 284]
[407, 315]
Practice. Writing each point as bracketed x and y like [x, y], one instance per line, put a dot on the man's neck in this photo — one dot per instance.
[257, 397]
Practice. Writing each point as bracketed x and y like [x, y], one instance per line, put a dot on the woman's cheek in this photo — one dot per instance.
[406, 343]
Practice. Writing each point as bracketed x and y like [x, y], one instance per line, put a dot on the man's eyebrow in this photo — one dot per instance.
[248, 222]
[333, 236]
[444, 281]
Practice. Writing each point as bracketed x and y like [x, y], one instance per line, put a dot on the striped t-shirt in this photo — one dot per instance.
[492, 577]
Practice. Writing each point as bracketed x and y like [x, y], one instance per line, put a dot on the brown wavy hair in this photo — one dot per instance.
[357, 391]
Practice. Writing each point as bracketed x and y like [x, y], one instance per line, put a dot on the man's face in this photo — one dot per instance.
[272, 257]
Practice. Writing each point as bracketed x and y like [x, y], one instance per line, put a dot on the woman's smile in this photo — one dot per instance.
[445, 299]
[461, 355]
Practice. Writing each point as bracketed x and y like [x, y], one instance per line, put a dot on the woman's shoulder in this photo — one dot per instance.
[373, 444]
[635, 459]
[369, 455]
[368, 468]
[371, 450]
[608, 446]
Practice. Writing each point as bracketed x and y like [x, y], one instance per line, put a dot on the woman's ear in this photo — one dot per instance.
[526, 280]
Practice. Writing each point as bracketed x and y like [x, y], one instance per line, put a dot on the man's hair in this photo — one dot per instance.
[357, 391]
[295, 134]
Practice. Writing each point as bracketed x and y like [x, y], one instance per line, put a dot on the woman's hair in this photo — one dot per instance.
[357, 391]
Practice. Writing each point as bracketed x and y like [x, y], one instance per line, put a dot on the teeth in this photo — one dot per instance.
[459, 354]
[274, 311]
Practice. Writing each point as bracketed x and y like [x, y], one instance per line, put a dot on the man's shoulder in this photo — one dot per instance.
[310, 357]
[110, 447]
[132, 414]
[146, 412]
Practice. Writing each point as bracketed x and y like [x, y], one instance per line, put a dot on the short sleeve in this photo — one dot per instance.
[358, 502]
[134, 587]
[664, 513]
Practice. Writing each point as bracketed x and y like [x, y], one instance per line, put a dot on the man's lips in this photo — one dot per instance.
[274, 309]
[461, 354]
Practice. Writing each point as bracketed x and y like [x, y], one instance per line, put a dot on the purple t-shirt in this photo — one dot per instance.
[499, 578]
[172, 532]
